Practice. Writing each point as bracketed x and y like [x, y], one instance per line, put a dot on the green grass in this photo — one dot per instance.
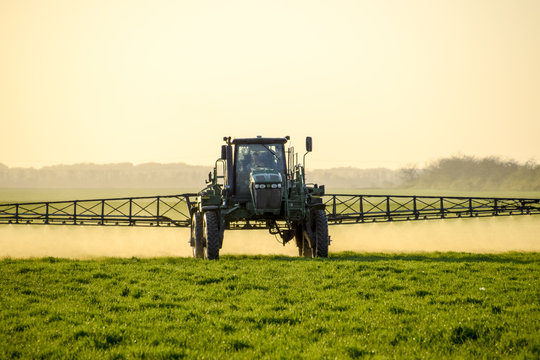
[443, 305]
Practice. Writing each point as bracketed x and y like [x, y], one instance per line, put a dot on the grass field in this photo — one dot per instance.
[437, 305]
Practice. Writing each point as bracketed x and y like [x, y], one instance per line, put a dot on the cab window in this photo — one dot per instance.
[256, 156]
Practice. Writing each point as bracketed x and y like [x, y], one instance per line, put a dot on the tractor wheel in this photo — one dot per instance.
[321, 233]
[211, 233]
[197, 235]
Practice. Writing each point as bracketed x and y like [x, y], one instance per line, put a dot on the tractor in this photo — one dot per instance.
[258, 184]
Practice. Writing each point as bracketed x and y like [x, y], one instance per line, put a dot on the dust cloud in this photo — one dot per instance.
[488, 235]
[491, 235]
[28, 241]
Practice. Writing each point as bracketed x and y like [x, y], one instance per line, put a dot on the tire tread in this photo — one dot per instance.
[211, 230]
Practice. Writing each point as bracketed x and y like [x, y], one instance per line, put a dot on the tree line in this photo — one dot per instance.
[465, 173]
[122, 175]
[469, 173]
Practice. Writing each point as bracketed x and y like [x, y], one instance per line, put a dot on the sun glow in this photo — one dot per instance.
[375, 83]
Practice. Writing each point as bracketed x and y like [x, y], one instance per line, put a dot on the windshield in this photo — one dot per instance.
[256, 156]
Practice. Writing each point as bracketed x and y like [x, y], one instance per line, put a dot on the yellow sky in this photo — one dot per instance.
[376, 83]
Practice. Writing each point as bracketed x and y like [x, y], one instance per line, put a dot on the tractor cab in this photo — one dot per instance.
[257, 164]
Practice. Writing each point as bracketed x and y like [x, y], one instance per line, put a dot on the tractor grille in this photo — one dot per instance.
[267, 198]
[266, 178]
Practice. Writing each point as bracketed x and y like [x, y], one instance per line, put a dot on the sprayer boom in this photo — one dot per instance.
[173, 210]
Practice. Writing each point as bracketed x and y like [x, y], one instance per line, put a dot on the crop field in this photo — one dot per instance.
[424, 305]
[131, 293]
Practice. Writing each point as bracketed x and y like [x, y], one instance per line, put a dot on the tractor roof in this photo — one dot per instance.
[260, 140]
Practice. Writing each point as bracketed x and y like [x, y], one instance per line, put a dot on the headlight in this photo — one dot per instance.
[274, 186]
[279, 186]
[256, 186]
[262, 186]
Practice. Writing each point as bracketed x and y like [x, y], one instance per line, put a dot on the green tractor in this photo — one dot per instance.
[257, 184]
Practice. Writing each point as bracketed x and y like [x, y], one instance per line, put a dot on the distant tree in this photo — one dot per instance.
[409, 174]
[474, 174]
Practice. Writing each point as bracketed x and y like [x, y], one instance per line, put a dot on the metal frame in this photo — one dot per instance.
[347, 208]
[174, 210]
[169, 210]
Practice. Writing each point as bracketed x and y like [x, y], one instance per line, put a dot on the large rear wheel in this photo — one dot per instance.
[211, 234]
[197, 241]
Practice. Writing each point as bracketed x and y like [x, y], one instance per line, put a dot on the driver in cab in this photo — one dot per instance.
[260, 160]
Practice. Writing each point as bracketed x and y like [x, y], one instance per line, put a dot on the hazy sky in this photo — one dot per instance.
[376, 83]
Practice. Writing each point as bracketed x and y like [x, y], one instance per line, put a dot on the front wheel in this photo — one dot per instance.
[211, 233]
[197, 241]
[320, 222]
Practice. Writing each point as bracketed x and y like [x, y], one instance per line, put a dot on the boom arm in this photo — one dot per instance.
[346, 208]
[171, 210]
[174, 210]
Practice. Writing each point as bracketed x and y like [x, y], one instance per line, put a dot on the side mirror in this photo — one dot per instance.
[309, 144]
[223, 152]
